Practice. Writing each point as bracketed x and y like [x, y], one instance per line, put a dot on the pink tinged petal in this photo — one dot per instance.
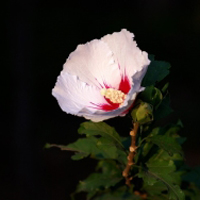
[94, 64]
[74, 95]
[129, 57]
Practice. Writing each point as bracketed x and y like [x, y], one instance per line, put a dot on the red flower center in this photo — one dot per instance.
[124, 86]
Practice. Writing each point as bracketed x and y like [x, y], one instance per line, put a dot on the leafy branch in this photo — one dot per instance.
[156, 171]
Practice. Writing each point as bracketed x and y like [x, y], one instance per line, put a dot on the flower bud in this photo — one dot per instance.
[142, 113]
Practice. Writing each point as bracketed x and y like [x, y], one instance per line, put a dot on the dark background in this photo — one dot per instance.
[39, 37]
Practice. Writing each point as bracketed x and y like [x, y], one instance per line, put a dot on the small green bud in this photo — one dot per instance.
[142, 113]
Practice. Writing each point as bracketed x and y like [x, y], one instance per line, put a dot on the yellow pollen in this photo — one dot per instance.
[115, 96]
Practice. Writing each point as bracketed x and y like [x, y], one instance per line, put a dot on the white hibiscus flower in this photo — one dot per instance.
[102, 78]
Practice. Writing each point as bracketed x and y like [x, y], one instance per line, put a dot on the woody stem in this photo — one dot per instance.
[132, 153]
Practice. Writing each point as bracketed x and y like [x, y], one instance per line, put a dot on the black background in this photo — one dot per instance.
[39, 37]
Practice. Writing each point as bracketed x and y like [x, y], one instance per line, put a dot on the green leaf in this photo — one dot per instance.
[162, 170]
[79, 156]
[97, 180]
[91, 194]
[175, 192]
[156, 72]
[109, 167]
[169, 144]
[156, 187]
[151, 95]
[122, 157]
[97, 147]
[154, 190]
[147, 147]
[147, 177]
[100, 148]
[155, 131]
[107, 147]
[161, 167]
[163, 155]
[61, 147]
[110, 176]
[100, 128]
[164, 109]
[84, 145]
[172, 130]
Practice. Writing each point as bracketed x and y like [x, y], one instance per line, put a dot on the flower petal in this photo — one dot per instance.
[74, 95]
[114, 61]
[129, 57]
[93, 63]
